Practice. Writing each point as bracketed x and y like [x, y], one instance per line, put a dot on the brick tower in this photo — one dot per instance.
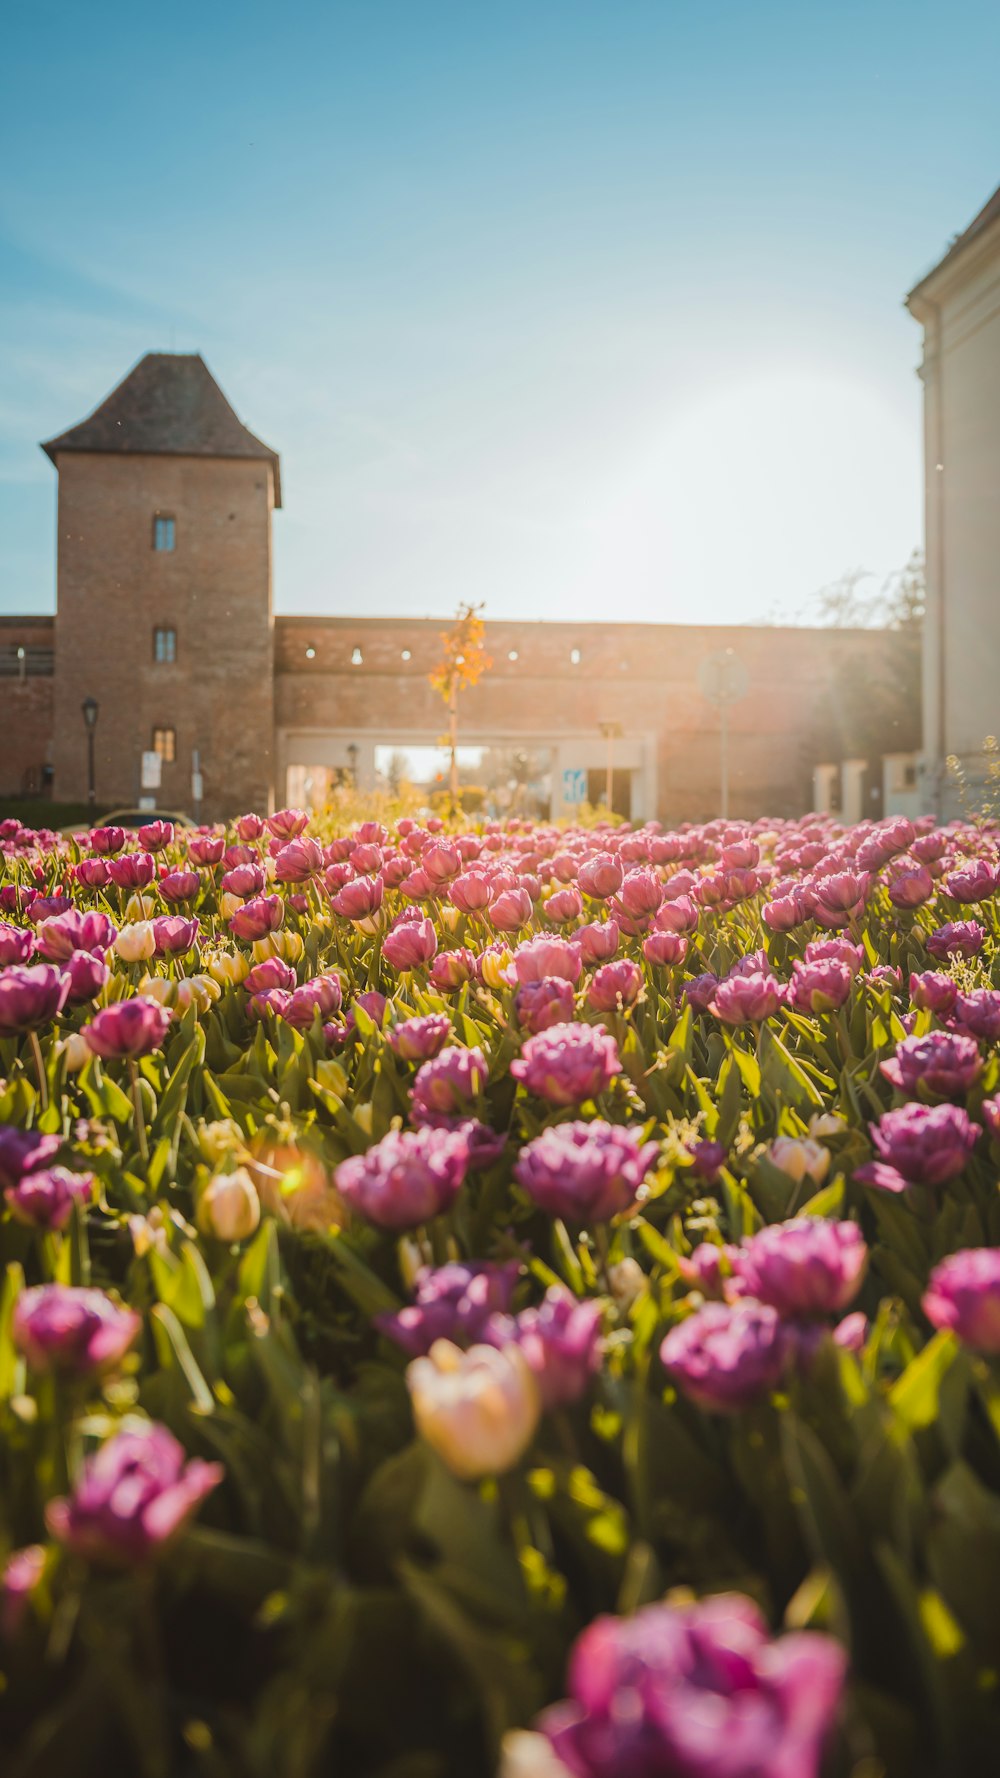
[164, 593]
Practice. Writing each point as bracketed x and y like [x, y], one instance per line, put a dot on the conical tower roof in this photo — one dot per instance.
[168, 405]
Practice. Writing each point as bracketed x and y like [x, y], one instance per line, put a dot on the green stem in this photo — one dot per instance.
[43, 1084]
[140, 1116]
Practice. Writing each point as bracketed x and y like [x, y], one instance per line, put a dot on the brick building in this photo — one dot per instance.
[164, 616]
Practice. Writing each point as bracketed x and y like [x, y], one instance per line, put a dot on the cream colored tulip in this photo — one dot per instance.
[799, 1157]
[136, 943]
[525, 1754]
[477, 1409]
[229, 1207]
[227, 968]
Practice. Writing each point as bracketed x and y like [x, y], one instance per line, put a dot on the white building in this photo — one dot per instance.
[958, 307]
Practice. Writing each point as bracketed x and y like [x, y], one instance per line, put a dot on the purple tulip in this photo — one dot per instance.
[562, 908]
[359, 899]
[128, 1028]
[92, 873]
[835, 950]
[16, 944]
[700, 991]
[87, 975]
[471, 892]
[708, 1159]
[173, 935]
[785, 912]
[977, 1014]
[665, 950]
[641, 894]
[540, 1005]
[821, 986]
[910, 888]
[919, 1145]
[45, 907]
[257, 918]
[155, 835]
[31, 996]
[44, 1199]
[541, 958]
[585, 1172]
[131, 1498]
[448, 1085]
[323, 995]
[943, 1062]
[106, 841]
[133, 870]
[299, 861]
[696, 1691]
[725, 1358]
[452, 969]
[615, 985]
[419, 1040]
[598, 941]
[745, 999]
[568, 1063]
[179, 885]
[408, 1178]
[561, 1341]
[963, 1294]
[244, 880]
[601, 876]
[453, 1302]
[65, 934]
[206, 849]
[933, 992]
[272, 973]
[805, 1267]
[679, 914]
[269, 1000]
[959, 938]
[410, 945]
[979, 881]
[375, 1005]
[72, 1331]
[24, 1151]
[510, 910]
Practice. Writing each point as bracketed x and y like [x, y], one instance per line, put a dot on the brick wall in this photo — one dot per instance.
[214, 589]
[643, 676]
[26, 691]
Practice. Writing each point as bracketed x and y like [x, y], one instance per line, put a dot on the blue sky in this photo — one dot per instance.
[581, 307]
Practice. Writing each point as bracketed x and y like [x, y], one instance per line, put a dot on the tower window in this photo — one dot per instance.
[164, 645]
[164, 532]
[165, 743]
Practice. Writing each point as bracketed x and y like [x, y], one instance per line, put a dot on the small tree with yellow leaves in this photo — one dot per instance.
[463, 662]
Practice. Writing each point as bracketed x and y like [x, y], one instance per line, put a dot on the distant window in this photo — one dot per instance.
[164, 532]
[407, 656]
[356, 657]
[164, 645]
[165, 743]
[575, 656]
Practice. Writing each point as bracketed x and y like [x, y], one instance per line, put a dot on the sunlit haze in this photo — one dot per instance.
[573, 308]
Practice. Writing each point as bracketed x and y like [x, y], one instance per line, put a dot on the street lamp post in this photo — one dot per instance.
[352, 756]
[90, 708]
[611, 732]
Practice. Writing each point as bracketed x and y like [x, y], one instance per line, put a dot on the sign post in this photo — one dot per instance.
[723, 681]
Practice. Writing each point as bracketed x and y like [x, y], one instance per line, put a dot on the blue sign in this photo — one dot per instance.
[574, 785]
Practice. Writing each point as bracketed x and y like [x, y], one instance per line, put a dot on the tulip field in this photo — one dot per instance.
[500, 1301]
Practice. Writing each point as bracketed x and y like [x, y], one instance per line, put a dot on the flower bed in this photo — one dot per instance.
[517, 1299]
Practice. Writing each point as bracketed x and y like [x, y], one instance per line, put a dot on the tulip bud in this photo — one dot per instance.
[75, 1051]
[136, 942]
[229, 1207]
[228, 968]
[477, 1409]
[494, 965]
[799, 1157]
[287, 945]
